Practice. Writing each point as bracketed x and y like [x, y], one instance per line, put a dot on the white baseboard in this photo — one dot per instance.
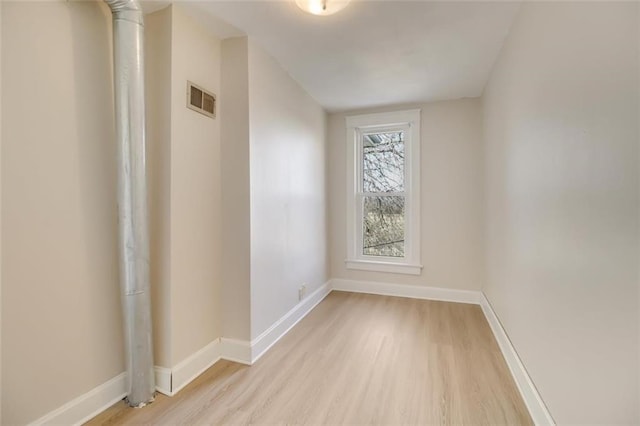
[537, 409]
[163, 380]
[89, 405]
[190, 368]
[236, 350]
[168, 382]
[261, 344]
[411, 291]
[171, 381]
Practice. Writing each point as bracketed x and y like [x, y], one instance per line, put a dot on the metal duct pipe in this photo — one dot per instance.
[128, 45]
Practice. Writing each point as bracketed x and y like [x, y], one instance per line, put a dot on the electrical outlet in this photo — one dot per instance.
[302, 291]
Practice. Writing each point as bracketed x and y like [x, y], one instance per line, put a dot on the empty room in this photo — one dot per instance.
[329, 212]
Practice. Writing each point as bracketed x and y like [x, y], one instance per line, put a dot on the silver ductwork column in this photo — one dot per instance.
[128, 46]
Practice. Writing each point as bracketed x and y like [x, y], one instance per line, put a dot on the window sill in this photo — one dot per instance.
[394, 268]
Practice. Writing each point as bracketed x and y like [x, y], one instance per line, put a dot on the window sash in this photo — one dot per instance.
[360, 194]
[404, 130]
[360, 226]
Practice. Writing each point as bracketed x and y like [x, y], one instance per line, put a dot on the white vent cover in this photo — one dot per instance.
[201, 100]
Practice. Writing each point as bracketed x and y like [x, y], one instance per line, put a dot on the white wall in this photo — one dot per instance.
[184, 186]
[61, 305]
[0, 214]
[61, 325]
[158, 30]
[451, 197]
[236, 213]
[562, 169]
[61, 314]
[196, 274]
[288, 222]
[562, 195]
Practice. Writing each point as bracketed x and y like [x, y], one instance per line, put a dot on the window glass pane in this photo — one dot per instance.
[383, 226]
[383, 162]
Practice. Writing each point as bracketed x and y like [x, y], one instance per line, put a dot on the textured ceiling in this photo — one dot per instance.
[373, 53]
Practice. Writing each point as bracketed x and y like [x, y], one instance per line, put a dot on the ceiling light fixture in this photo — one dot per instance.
[322, 7]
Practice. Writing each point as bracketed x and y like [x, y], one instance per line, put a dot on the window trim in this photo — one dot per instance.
[365, 123]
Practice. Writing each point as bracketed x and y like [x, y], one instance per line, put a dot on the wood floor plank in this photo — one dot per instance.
[356, 359]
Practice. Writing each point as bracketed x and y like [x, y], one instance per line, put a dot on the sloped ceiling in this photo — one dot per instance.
[373, 53]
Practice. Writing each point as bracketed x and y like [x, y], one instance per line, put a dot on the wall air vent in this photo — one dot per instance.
[201, 100]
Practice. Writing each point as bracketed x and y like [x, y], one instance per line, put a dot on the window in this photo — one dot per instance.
[383, 204]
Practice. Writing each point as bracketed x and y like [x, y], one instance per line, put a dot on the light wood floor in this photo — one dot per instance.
[356, 358]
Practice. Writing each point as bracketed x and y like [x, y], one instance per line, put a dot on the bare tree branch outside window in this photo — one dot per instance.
[384, 198]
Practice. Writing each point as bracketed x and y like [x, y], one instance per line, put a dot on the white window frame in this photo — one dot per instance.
[409, 121]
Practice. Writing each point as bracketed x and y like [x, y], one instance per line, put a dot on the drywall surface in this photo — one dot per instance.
[158, 104]
[0, 214]
[561, 134]
[451, 185]
[288, 226]
[235, 170]
[61, 314]
[196, 275]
